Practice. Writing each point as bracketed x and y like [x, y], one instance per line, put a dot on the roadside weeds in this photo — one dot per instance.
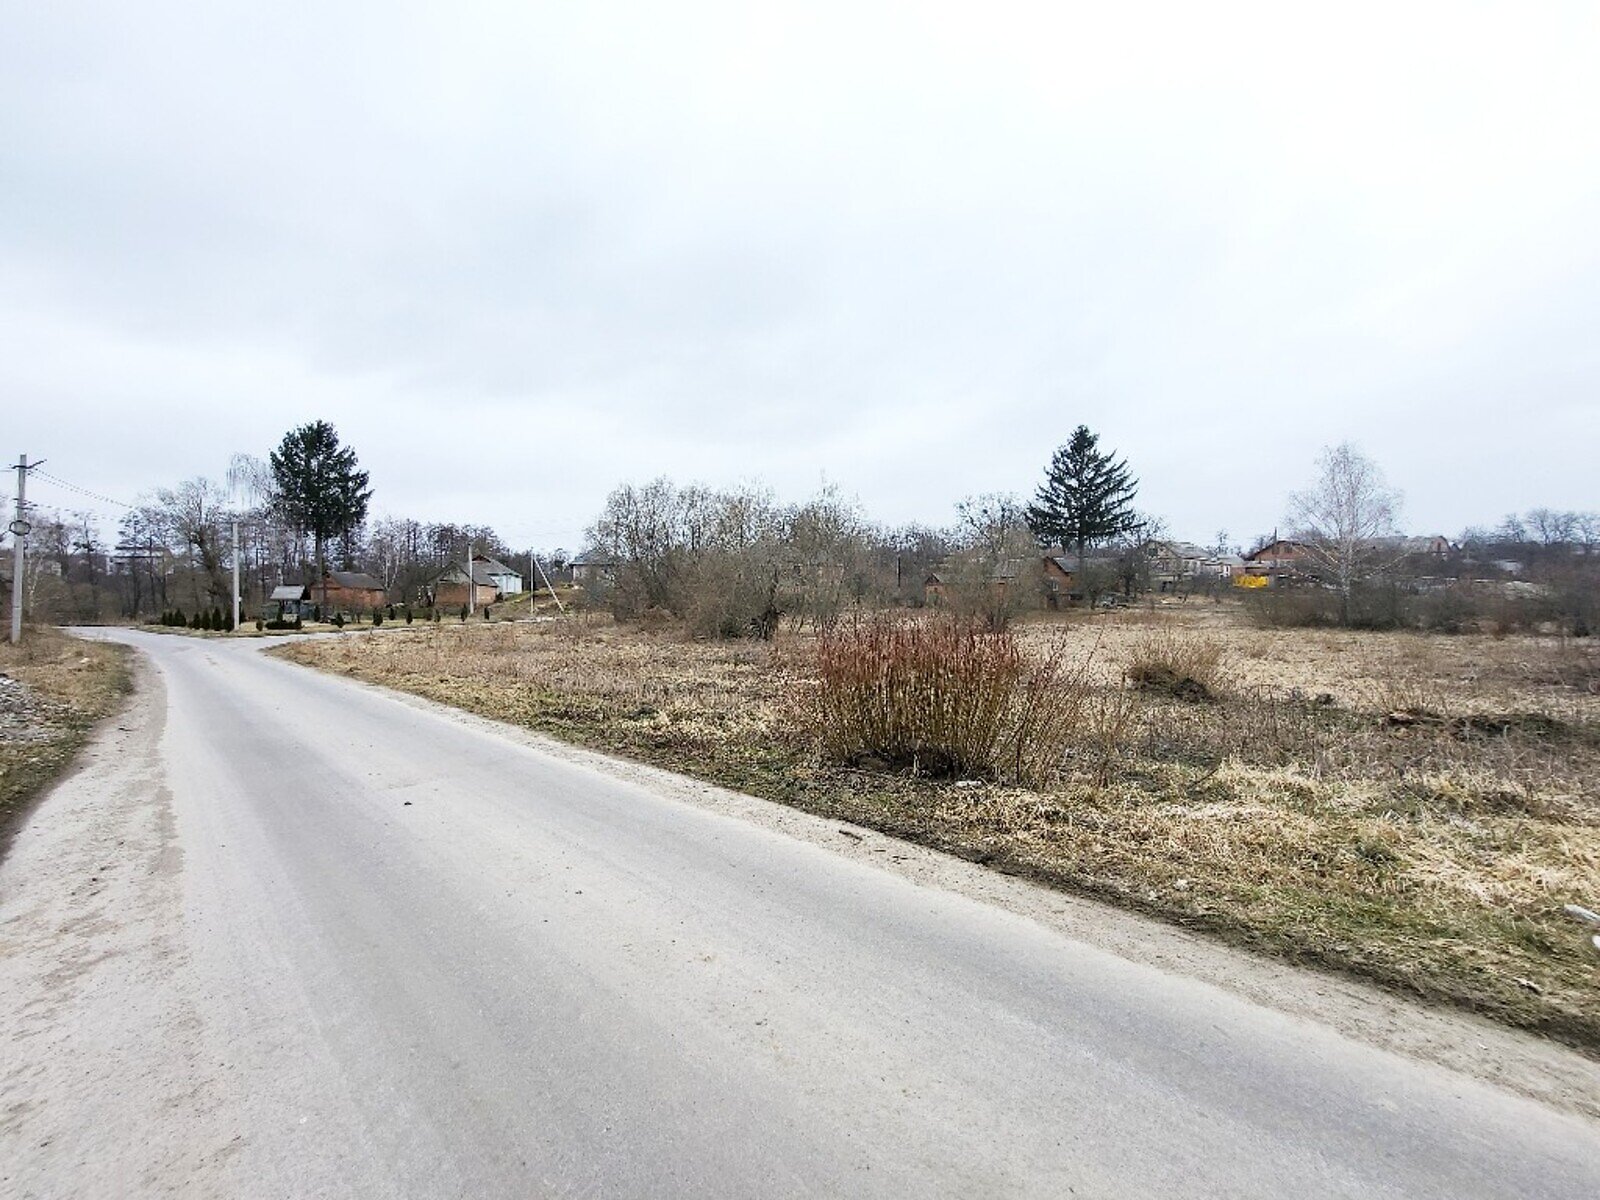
[54, 689]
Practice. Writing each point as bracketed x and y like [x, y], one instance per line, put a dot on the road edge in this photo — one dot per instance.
[1453, 1039]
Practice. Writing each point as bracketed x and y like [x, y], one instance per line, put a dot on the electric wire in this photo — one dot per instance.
[35, 473]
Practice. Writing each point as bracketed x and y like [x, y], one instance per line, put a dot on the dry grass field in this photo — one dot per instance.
[1413, 809]
[53, 688]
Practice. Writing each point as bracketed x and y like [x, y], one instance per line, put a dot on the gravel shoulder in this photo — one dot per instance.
[54, 688]
[99, 1012]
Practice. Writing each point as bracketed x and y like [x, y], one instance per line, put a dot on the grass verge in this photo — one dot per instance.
[1289, 814]
[53, 689]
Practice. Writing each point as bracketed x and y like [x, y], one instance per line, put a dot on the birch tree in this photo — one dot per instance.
[1346, 520]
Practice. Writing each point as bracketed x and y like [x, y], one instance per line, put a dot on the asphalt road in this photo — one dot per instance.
[285, 935]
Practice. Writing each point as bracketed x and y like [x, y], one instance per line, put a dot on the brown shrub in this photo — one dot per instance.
[944, 698]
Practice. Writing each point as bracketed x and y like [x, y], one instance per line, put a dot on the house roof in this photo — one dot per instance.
[593, 558]
[1069, 562]
[454, 573]
[1176, 549]
[1396, 544]
[289, 591]
[1276, 544]
[492, 565]
[358, 581]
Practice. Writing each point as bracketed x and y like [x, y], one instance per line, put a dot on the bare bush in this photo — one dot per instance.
[944, 698]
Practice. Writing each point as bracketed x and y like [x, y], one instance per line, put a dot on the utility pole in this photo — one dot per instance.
[560, 607]
[472, 588]
[20, 528]
[236, 574]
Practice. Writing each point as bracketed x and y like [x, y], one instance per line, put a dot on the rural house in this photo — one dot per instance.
[350, 591]
[1058, 581]
[1065, 577]
[593, 567]
[449, 588]
[506, 581]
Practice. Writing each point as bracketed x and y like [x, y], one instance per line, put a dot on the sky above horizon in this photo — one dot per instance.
[520, 254]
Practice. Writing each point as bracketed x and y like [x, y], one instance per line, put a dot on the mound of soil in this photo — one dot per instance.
[1164, 681]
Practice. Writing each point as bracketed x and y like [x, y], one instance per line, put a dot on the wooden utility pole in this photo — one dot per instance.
[560, 607]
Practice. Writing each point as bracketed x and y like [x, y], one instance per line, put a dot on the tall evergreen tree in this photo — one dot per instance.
[1086, 498]
[320, 489]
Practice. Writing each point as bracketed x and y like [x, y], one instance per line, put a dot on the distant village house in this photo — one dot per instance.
[593, 568]
[350, 591]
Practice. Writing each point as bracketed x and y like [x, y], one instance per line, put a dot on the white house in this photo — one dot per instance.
[491, 570]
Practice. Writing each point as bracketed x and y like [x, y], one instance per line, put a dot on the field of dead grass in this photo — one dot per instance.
[1414, 809]
[53, 688]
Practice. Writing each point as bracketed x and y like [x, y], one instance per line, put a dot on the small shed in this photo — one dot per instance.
[289, 601]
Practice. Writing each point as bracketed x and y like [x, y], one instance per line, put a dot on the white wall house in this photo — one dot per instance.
[506, 581]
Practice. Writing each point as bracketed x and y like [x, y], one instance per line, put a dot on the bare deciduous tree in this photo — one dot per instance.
[1344, 519]
[194, 513]
[996, 571]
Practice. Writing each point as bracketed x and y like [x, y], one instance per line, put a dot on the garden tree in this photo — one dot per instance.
[1512, 530]
[1540, 533]
[145, 538]
[273, 548]
[1586, 530]
[730, 573]
[89, 551]
[912, 551]
[266, 536]
[1552, 528]
[732, 562]
[45, 593]
[828, 559]
[318, 486]
[1343, 519]
[396, 555]
[996, 571]
[1086, 498]
[1133, 551]
[192, 516]
[646, 530]
[350, 542]
[51, 538]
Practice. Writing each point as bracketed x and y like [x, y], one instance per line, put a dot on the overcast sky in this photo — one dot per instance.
[518, 254]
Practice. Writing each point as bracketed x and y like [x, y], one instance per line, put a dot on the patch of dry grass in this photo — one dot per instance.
[1177, 662]
[1291, 814]
[55, 688]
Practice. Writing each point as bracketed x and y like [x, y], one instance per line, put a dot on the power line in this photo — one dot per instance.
[73, 487]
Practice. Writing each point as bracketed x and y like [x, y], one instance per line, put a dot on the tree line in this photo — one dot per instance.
[301, 509]
[737, 561]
